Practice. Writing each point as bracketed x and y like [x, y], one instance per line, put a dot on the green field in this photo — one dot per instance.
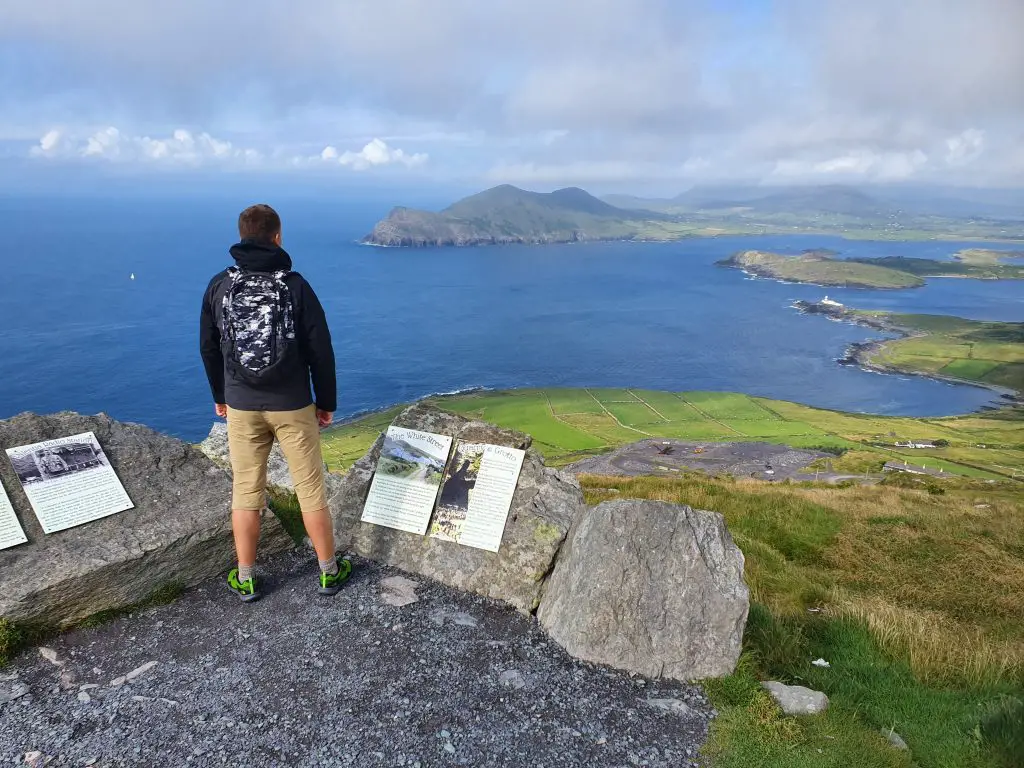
[984, 352]
[568, 424]
[823, 270]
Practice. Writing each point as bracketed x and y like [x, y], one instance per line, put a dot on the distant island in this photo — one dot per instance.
[820, 267]
[507, 214]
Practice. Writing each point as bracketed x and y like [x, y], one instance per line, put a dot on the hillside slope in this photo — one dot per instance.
[507, 214]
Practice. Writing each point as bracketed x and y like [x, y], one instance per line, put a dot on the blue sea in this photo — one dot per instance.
[78, 334]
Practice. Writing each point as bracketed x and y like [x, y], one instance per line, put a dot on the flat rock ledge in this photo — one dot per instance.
[649, 587]
[179, 531]
[545, 505]
[795, 699]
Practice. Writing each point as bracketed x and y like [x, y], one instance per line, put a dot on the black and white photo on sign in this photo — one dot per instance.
[477, 494]
[11, 532]
[68, 481]
[459, 481]
[42, 462]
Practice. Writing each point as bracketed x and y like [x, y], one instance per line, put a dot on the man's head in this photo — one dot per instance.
[260, 223]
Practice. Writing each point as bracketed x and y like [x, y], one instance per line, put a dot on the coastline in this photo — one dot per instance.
[862, 353]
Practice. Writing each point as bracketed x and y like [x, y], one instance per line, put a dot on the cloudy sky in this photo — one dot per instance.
[608, 94]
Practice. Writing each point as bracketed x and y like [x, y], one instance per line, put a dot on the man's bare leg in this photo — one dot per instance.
[245, 524]
[320, 530]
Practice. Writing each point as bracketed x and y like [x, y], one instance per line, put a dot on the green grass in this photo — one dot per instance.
[565, 401]
[727, 405]
[568, 424]
[634, 414]
[972, 350]
[918, 605]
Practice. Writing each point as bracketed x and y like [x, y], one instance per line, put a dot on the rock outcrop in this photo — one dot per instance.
[545, 505]
[650, 587]
[179, 531]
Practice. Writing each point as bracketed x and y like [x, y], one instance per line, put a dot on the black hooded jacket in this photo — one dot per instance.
[311, 328]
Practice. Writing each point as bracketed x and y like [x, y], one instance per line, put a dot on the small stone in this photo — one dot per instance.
[445, 735]
[50, 655]
[34, 759]
[84, 697]
[449, 748]
[894, 738]
[464, 620]
[87, 686]
[117, 682]
[139, 671]
[675, 706]
[512, 678]
[821, 663]
[795, 699]
[17, 691]
[398, 591]
[90, 761]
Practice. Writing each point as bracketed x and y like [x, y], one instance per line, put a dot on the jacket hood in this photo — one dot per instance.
[255, 256]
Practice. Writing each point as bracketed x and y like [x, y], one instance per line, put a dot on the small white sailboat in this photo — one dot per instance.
[131, 276]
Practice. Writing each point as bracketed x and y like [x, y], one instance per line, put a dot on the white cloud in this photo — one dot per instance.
[864, 164]
[375, 153]
[49, 145]
[181, 147]
[965, 147]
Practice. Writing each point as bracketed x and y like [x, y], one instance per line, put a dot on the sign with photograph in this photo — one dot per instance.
[11, 533]
[476, 495]
[69, 481]
[404, 486]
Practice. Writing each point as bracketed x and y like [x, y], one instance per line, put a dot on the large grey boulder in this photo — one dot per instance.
[179, 531]
[649, 587]
[545, 504]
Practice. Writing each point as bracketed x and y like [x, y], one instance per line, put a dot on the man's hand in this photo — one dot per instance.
[324, 418]
[221, 410]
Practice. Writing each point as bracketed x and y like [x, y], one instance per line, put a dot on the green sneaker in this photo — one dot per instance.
[246, 590]
[330, 584]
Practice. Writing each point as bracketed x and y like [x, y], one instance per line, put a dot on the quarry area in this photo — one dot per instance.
[764, 461]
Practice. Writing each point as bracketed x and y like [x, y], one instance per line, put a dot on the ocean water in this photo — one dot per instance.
[78, 334]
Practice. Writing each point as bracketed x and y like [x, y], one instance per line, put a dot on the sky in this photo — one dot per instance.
[611, 95]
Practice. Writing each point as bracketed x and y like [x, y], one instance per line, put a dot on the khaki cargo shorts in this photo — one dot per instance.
[251, 436]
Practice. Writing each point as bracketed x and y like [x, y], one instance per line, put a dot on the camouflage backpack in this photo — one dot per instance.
[257, 328]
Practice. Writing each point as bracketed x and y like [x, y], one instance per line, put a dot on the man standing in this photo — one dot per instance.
[263, 335]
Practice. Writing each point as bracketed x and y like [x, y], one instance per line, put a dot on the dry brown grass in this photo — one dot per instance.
[941, 651]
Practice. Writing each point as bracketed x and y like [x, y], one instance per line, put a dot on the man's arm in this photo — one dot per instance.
[209, 346]
[315, 337]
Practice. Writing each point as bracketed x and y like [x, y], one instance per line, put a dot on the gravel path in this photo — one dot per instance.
[300, 680]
